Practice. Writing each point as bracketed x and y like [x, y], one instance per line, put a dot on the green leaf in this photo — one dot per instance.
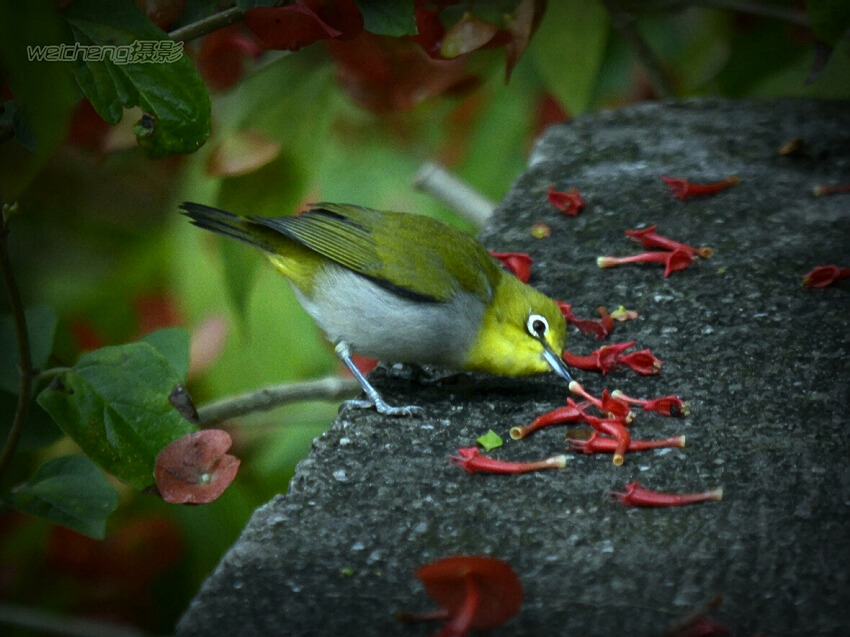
[830, 19]
[41, 327]
[568, 50]
[69, 490]
[114, 404]
[45, 91]
[388, 18]
[491, 440]
[173, 343]
[161, 80]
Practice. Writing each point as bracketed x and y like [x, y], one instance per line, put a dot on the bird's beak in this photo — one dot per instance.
[558, 366]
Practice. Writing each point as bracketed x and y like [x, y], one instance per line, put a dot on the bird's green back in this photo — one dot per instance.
[412, 255]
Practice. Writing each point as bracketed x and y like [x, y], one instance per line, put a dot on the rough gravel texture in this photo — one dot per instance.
[764, 363]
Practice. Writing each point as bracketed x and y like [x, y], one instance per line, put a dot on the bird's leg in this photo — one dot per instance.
[374, 399]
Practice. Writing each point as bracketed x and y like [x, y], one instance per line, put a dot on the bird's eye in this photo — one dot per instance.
[537, 325]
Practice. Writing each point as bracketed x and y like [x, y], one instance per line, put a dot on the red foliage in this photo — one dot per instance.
[223, 55]
[305, 22]
[195, 469]
[385, 74]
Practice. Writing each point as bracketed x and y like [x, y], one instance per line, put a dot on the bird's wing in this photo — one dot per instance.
[413, 256]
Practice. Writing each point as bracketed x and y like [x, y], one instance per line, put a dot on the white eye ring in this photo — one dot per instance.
[537, 326]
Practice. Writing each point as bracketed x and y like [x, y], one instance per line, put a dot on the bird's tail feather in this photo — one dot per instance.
[230, 225]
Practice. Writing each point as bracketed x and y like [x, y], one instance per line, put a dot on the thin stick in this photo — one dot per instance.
[24, 353]
[438, 182]
[207, 25]
[331, 388]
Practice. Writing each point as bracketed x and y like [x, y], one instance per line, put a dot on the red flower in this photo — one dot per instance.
[638, 496]
[642, 361]
[601, 327]
[612, 407]
[650, 239]
[517, 262]
[820, 190]
[606, 358]
[665, 405]
[601, 444]
[673, 261]
[824, 275]
[470, 460]
[570, 203]
[683, 189]
[571, 413]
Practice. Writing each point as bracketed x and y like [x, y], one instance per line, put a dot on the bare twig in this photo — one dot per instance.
[331, 388]
[453, 192]
[207, 25]
[44, 622]
[24, 354]
[624, 22]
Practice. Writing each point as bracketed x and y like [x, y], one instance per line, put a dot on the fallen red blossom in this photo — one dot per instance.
[470, 460]
[639, 496]
[824, 275]
[570, 202]
[684, 189]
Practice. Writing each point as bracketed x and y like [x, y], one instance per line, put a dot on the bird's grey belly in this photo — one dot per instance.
[381, 324]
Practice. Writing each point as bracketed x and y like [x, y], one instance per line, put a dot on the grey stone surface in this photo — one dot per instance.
[764, 363]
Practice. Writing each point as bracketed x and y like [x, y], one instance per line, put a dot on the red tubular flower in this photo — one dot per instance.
[824, 275]
[602, 360]
[665, 405]
[517, 262]
[601, 327]
[643, 362]
[673, 261]
[601, 444]
[570, 203]
[470, 460]
[618, 431]
[638, 496]
[650, 239]
[684, 189]
[571, 413]
[822, 189]
[609, 405]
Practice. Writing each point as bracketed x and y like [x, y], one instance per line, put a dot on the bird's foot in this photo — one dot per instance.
[386, 409]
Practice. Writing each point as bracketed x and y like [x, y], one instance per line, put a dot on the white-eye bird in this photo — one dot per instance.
[403, 288]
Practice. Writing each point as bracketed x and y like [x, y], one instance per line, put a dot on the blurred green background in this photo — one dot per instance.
[98, 237]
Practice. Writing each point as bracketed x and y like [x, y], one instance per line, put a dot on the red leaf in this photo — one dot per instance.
[385, 74]
[195, 469]
[429, 31]
[303, 23]
[223, 55]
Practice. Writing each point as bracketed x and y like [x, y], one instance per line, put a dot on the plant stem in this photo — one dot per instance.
[624, 22]
[330, 388]
[207, 25]
[24, 354]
